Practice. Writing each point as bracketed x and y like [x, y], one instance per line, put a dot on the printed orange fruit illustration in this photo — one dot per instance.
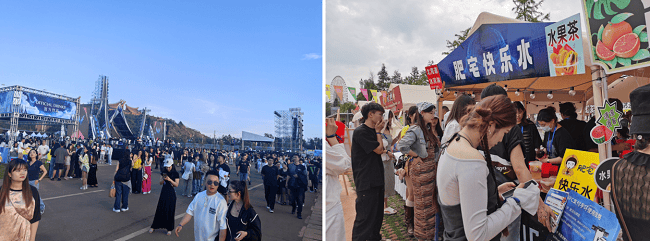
[613, 32]
[627, 45]
[603, 52]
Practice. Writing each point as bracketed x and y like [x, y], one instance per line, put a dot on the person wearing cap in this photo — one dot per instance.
[368, 172]
[166, 209]
[629, 173]
[421, 145]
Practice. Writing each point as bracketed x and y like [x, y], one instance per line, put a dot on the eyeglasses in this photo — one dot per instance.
[209, 182]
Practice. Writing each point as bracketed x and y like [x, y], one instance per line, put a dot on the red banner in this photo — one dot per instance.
[394, 100]
[433, 75]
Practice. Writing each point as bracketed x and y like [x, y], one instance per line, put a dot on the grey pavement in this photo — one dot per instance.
[74, 214]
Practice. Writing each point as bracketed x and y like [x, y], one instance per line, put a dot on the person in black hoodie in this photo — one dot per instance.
[573, 125]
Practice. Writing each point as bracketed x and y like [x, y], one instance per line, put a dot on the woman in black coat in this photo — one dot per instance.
[241, 216]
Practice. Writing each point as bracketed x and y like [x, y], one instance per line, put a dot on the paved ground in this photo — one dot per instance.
[74, 214]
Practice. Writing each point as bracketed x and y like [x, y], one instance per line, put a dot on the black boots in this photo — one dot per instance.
[408, 218]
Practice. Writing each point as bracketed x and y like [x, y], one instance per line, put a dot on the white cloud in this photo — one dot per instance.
[363, 34]
[311, 56]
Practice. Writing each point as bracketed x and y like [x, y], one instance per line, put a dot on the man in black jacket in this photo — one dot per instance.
[298, 187]
[270, 175]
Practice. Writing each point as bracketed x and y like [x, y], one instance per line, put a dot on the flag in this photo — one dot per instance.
[374, 95]
[353, 91]
[339, 92]
[365, 93]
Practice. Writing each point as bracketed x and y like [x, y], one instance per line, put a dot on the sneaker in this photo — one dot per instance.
[116, 210]
[124, 209]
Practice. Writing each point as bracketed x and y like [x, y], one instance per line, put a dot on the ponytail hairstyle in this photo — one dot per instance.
[496, 108]
[427, 128]
[240, 187]
[411, 111]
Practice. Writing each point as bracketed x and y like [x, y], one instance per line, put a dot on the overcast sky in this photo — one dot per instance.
[363, 34]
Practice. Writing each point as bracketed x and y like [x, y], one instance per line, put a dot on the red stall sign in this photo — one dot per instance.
[433, 75]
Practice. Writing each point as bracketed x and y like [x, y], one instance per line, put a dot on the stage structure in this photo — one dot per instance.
[101, 121]
[288, 129]
[23, 105]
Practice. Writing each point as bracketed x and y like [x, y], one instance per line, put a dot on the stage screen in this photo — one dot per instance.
[37, 104]
[6, 98]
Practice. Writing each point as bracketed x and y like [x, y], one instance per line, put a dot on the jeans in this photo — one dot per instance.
[243, 176]
[196, 186]
[33, 183]
[121, 194]
[188, 186]
[298, 198]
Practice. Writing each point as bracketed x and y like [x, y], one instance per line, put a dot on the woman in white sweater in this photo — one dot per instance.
[469, 197]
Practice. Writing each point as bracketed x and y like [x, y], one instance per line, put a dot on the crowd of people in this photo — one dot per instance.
[456, 167]
[220, 206]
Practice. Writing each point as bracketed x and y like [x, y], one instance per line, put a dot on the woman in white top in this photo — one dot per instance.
[461, 107]
[468, 195]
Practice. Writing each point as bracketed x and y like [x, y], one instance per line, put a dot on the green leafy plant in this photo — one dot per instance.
[599, 5]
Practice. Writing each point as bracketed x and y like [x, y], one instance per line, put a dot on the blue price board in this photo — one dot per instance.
[498, 52]
[585, 220]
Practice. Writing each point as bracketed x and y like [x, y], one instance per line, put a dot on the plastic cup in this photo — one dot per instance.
[536, 169]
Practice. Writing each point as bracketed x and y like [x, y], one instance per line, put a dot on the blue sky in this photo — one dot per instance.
[221, 66]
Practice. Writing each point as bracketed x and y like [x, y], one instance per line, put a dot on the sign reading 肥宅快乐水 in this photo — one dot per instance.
[497, 52]
[577, 173]
[564, 47]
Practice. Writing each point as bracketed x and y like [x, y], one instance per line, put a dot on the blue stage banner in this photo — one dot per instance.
[4, 154]
[37, 104]
[585, 220]
[497, 52]
[6, 99]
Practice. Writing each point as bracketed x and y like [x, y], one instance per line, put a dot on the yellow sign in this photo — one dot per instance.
[577, 173]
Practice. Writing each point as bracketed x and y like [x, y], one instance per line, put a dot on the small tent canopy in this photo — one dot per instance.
[247, 136]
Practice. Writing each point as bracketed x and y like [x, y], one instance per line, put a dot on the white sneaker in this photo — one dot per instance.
[124, 210]
[116, 210]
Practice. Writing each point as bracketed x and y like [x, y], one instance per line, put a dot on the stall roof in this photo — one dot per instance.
[247, 136]
[541, 85]
[413, 94]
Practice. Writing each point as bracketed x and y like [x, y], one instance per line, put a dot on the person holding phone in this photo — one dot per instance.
[470, 204]
[166, 209]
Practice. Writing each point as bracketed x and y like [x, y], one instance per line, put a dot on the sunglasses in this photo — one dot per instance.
[209, 182]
